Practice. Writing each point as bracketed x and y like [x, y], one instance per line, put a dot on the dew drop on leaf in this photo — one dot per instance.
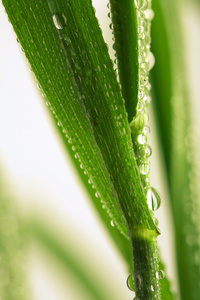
[140, 3]
[144, 169]
[97, 195]
[151, 60]
[139, 106]
[152, 288]
[59, 20]
[160, 274]
[156, 222]
[149, 14]
[146, 129]
[130, 282]
[142, 139]
[112, 223]
[153, 199]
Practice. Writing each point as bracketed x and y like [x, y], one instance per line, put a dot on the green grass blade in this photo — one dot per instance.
[162, 83]
[13, 285]
[124, 24]
[94, 117]
[184, 180]
[122, 244]
[67, 260]
[64, 45]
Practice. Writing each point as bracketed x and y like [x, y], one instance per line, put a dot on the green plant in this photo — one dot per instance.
[103, 115]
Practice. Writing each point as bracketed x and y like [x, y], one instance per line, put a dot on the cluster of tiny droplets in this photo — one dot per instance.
[145, 63]
[139, 127]
[114, 59]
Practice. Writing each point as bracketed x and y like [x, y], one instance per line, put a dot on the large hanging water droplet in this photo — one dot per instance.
[153, 199]
[59, 20]
[160, 274]
[130, 282]
[149, 14]
[151, 60]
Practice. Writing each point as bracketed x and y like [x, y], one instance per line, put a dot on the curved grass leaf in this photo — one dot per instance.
[75, 72]
[183, 175]
[122, 244]
[66, 258]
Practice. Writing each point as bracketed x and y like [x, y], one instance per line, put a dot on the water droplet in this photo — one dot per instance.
[146, 130]
[140, 3]
[90, 181]
[156, 222]
[111, 26]
[151, 60]
[149, 86]
[112, 223]
[140, 29]
[144, 169]
[139, 106]
[130, 282]
[140, 94]
[76, 155]
[97, 195]
[152, 288]
[160, 274]
[139, 281]
[142, 139]
[59, 20]
[149, 14]
[153, 199]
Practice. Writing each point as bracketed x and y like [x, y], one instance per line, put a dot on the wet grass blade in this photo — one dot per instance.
[76, 74]
[124, 25]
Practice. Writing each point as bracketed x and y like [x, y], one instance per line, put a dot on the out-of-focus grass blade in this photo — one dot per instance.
[13, 285]
[68, 261]
[183, 159]
[162, 82]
